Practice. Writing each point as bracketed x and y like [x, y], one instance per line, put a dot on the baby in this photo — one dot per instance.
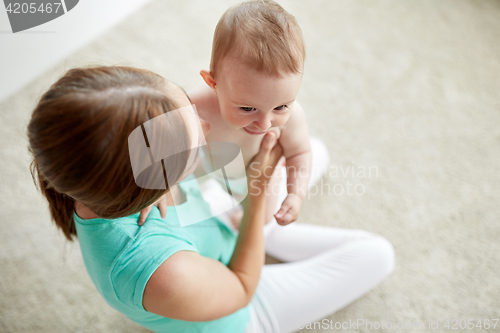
[255, 73]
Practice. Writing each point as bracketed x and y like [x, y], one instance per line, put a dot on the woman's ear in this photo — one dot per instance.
[209, 80]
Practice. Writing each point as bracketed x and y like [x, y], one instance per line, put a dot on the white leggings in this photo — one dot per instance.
[324, 269]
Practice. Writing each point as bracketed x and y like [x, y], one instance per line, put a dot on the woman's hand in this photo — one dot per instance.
[262, 166]
[161, 203]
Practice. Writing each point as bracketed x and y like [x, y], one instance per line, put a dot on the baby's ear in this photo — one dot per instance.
[209, 80]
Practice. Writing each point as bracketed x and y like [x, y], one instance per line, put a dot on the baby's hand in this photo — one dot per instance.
[162, 206]
[289, 211]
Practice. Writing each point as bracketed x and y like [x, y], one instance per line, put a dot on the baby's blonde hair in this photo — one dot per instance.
[262, 35]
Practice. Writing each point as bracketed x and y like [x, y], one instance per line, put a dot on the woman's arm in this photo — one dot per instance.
[188, 286]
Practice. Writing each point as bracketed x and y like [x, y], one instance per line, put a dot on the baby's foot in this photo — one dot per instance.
[235, 217]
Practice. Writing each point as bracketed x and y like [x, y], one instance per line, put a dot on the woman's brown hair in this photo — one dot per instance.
[78, 137]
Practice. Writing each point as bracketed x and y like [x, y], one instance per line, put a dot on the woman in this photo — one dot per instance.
[201, 277]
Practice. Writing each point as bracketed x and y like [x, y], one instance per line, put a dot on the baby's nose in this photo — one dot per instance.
[263, 123]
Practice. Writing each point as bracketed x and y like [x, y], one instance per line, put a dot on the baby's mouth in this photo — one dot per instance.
[254, 132]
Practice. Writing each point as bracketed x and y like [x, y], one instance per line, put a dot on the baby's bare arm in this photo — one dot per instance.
[297, 150]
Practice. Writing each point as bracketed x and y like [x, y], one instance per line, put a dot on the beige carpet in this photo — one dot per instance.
[410, 88]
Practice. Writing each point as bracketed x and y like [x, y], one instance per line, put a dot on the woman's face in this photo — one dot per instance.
[196, 127]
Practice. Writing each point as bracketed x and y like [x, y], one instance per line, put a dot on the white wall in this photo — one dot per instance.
[25, 55]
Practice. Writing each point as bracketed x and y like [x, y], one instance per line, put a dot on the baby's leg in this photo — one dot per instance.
[217, 197]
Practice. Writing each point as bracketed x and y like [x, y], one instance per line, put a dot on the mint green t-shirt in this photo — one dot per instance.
[120, 257]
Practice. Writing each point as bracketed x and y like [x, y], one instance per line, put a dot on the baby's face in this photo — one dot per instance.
[254, 102]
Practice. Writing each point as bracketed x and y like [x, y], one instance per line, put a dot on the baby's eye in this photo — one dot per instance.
[281, 107]
[248, 109]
